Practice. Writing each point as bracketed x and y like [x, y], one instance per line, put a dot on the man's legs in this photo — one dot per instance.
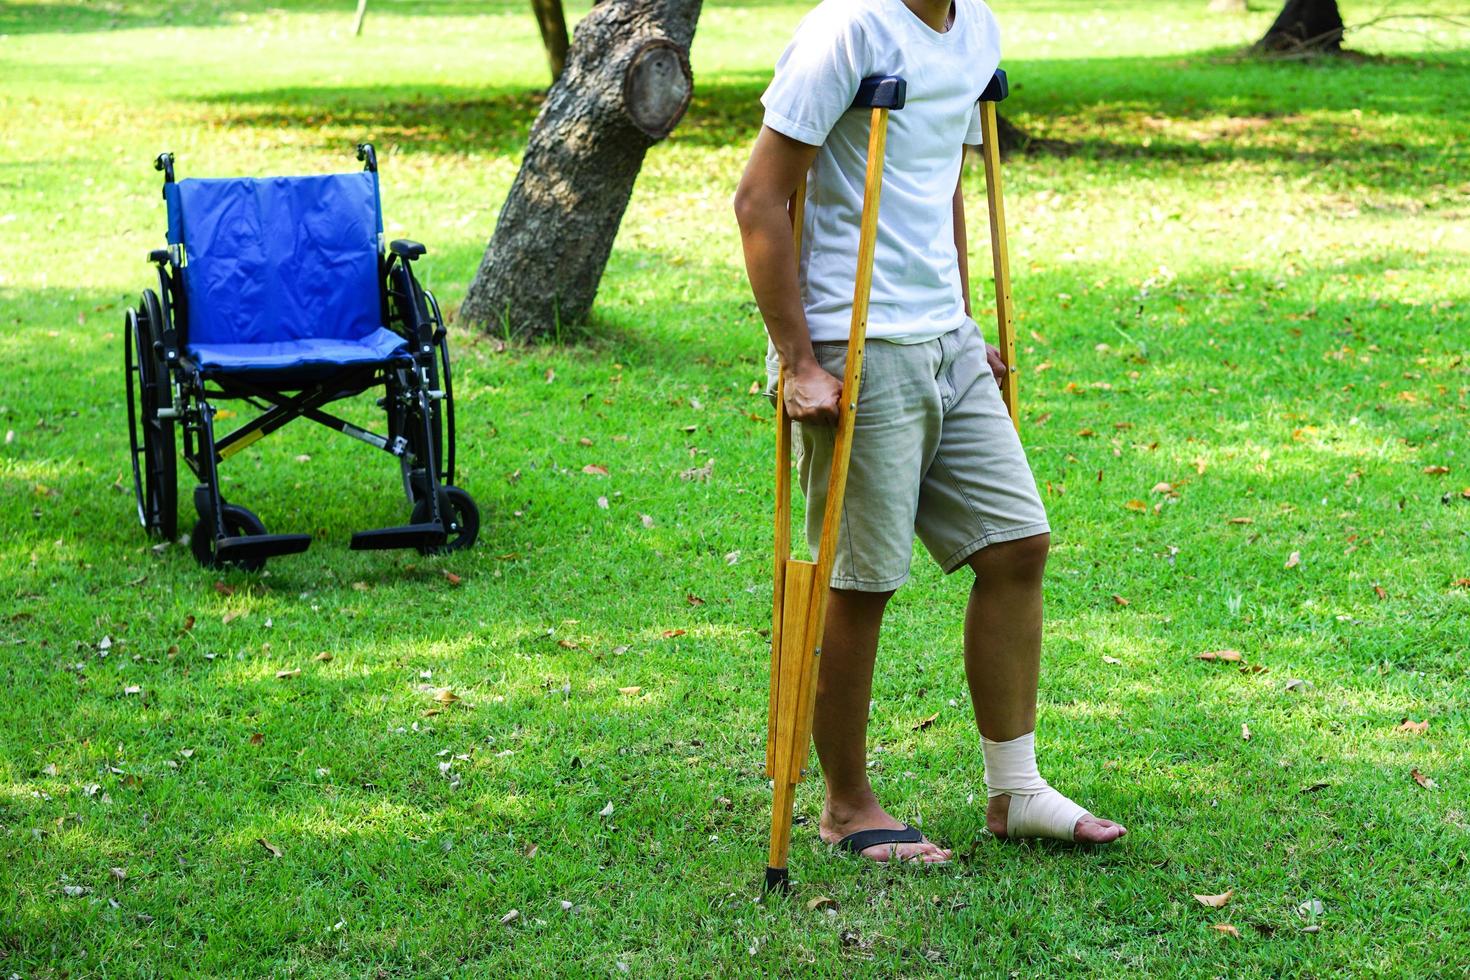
[840, 727]
[1003, 658]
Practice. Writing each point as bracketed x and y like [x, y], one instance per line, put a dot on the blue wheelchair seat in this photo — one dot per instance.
[281, 274]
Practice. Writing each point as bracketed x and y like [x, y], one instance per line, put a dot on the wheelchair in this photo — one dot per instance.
[277, 293]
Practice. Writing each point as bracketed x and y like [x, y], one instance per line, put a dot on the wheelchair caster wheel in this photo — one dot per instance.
[239, 522]
[461, 519]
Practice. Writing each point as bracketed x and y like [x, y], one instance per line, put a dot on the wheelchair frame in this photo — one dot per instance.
[166, 387]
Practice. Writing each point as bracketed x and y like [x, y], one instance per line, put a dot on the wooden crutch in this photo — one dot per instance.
[1005, 340]
[800, 609]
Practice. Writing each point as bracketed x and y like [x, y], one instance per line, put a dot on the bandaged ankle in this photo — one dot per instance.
[1036, 810]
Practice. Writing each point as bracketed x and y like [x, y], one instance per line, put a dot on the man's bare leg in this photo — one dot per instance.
[840, 726]
[1003, 659]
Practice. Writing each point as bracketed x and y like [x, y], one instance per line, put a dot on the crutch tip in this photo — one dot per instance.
[777, 880]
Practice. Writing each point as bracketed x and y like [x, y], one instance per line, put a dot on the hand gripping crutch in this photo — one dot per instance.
[1005, 341]
[800, 609]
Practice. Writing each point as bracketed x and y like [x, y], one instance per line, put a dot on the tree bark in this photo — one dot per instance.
[552, 20]
[1305, 26]
[626, 85]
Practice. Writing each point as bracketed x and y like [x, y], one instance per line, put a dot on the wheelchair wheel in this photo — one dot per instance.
[446, 381]
[239, 522]
[151, 438]
[460, 514]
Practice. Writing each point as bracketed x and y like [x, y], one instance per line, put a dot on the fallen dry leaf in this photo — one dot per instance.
[567, 644]
[606, 811]
[1462, 583]
[924, 723]
[670, 634]
[257, 738]
[282, 675]
[1413, 727]
[324, 656]
[1294, 559]
[445, 696]
[1436, 470]
[821, 902]
[223, 589]
[231, 616]
[1215, 901]
[1165, 488]
[647, 519]
[510, 917]
[452, 578]
[1112, 660]
[1254, 669]
[630, 691]
[1226, 928]
[1120, 600]
[1137, 505]
[272, 849]
[1241, 520]
[1245, 732]
[188, 623]
[592, 469]
[1229, 656]
[693, 600]
[1421, 779]
[1296, 684]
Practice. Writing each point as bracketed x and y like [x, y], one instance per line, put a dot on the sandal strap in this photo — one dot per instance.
[864, 839]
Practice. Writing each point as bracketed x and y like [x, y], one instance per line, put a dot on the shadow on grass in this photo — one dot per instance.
[1199, 109]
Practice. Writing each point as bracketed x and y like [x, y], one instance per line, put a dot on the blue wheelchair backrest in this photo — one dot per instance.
[278, 259]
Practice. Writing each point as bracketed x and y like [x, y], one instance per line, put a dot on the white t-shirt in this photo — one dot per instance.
[916, 283]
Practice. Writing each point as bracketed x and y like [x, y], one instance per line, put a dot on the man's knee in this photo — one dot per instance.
[1022, 561]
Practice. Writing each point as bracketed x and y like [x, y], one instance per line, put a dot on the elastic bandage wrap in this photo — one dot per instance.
[1036, 810]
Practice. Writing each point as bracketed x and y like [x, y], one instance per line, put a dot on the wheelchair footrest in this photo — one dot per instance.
[260, 546]
[407, 536]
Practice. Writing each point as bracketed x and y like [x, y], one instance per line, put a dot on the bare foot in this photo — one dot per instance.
[1089, 829]
[838, 821]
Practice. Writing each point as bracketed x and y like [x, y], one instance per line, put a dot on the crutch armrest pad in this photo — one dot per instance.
[998, 88]
[881, 92]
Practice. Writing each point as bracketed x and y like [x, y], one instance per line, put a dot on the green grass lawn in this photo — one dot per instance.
[1248, 281]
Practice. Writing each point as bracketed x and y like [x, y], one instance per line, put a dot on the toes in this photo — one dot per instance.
[923, 852]
[1092, 830]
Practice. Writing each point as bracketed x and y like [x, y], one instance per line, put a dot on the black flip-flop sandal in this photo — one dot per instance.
[862, 840]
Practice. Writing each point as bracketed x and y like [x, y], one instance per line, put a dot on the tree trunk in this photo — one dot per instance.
[553, 23]
[626, 85]
[1305, 25]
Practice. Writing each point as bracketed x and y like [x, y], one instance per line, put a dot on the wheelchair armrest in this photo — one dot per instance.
[405, 249]
[159, 256]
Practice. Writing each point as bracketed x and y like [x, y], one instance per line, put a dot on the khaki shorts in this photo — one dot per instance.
[933, 452]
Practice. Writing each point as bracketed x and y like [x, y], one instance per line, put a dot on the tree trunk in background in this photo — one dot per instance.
[553, 23]
[1305, 25]
[626, 85]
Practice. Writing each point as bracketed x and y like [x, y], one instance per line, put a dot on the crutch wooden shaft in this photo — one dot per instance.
[1000, 257]
[800, 606]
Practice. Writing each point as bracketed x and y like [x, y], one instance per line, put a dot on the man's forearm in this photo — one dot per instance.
[770, 262]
